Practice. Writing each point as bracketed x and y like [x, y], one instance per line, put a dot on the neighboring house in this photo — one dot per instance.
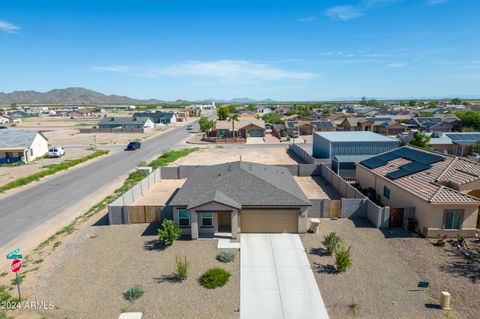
[20, 145]
[283, 110]
[126, 122]
[240, 197]
[455, 143]
[390, 128]
[278, 130]
[309, 127]
[78, 113]
[18, 113]
[434, 124]
[331, 144]
[350, 123]
[264, 110]
[433, 111]
[158, 117]
[433, 190]
[244, 128]
[4, 120]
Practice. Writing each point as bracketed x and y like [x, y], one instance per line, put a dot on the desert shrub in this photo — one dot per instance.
[331, 242]
[214, 278]
[133, 293]
[182, 268]
[169, 232]
[226, 256]
[343, 258]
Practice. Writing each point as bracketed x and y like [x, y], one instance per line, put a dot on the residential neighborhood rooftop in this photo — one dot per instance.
[12, 137]
[240, 184]
[354, 136]
[430, 182]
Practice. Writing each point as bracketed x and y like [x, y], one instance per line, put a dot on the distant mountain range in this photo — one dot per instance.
[78, 95]
[72, 95]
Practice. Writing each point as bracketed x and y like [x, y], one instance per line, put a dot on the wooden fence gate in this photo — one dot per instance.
[144, 214]
[396, 217]
[334, 208]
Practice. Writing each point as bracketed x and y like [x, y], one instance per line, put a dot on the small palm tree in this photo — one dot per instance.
[233, 117]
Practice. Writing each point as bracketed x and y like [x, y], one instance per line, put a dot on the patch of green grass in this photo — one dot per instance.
[51, 169]
[5, 294]
[171, 156]
[3, 274]
[20, 279]
[38, 261]
[57, 244]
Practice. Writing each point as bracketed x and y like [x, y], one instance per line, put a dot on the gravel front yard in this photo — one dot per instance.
[90, 284]
[446, 270]
[380, 281]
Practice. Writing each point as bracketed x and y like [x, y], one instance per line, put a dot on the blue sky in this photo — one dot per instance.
[286, 50]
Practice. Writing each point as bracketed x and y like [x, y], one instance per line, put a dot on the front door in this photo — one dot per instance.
[224, 221]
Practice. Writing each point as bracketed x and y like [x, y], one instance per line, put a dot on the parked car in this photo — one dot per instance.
[56, 152]
[190, 127]
[293, 134]
[132, 146]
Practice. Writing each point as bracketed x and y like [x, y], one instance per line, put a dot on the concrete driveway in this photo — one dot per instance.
[276, 280]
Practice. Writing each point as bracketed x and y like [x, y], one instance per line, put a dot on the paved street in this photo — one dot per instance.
[21, 212]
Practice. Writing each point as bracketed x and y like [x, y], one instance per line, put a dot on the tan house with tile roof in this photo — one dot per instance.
[439, 194]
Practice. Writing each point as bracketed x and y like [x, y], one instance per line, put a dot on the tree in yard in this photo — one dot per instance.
[251, 108]
[343, 258]
[372, 102]
[363, 101]
[420, 140]
[231, 108]
[233, 118]
[205, 124]
[476, 146]
[169, 232]
[433, 104]
[456, 101]
[412, 102]
[223, 112]
[272, 118]
[328, 112]
[469, 118]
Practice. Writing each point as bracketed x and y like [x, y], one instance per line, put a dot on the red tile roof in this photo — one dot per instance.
[429, 184]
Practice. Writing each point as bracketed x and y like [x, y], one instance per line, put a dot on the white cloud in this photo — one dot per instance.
[307, 19]
[114, 68]
[435, 2]
[344, 13]
[8, 27]
[223, 70]
[348, 12]
[397, 65]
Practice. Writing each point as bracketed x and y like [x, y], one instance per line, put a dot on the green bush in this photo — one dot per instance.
[214, 278]
[226, 256]
[169, 232]
[133, 293]
[331, 242]
[182, 268]
[343, 258]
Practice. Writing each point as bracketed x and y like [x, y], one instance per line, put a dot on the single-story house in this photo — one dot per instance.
[126, 122]
[245, 127]
[4, 120]
[309, 127]
[455, 143]
[283, 110]
[18, 113]
[240, 197]
[264, 110]
[434, 191]
[434, 124]
[351, 124]
[390, 128]
[158, 117]
[20, 145]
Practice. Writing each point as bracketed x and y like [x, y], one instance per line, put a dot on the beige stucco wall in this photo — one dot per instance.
[430, 217]
[39, 147]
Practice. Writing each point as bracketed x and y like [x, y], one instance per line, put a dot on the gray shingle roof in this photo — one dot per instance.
[241, 184]
[16, 138]
[124, 120]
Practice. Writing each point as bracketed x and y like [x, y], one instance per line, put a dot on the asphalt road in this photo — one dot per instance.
[21, 212]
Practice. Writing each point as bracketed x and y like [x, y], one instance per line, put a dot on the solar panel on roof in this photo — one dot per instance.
[419, 156]
[415, 167]
[464, 137]
[373, 163]
[399, 173]
[388, 156]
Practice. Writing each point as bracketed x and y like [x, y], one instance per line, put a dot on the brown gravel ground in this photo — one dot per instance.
[380, 281]
[90, 284]
[446, 270]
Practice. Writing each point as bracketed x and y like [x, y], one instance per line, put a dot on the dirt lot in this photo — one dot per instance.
[161, 192]
[446, 270]
[11, 173]
[212, 155]
[315, 187]
[90, 282]
[381, 282]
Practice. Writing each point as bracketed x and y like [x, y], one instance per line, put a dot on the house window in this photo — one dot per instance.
[386, 192]
[453, 219]
[183, 217]
[207, 219]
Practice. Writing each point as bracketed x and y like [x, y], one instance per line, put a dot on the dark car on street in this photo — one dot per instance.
[132, 146]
